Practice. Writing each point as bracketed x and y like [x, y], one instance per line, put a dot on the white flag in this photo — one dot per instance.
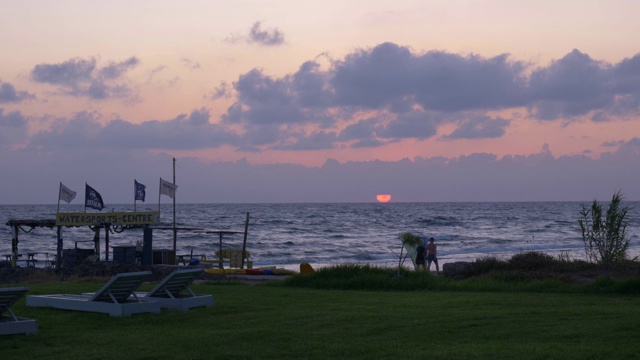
[167, 188]
[66, 194]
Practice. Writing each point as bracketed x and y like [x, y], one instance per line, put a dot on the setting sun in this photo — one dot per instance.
[383, 198]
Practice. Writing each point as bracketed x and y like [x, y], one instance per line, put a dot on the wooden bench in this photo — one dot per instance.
[9, 256]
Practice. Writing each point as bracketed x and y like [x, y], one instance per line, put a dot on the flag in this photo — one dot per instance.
[92, 198]
[167, 188]
[66, 194]
[140, 191]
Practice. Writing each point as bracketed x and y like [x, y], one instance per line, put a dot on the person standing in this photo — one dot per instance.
[432, 251]
[420, 257]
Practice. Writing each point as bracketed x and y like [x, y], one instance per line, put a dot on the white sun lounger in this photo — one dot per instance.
[10, 323]
[173, 291]
[116, 298]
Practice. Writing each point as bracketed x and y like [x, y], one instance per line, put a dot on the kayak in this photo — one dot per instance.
[256, 271]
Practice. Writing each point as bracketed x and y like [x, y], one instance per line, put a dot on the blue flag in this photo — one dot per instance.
[92, 198]
[140, 191]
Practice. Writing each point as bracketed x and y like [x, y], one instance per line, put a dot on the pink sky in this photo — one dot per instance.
[458, 98]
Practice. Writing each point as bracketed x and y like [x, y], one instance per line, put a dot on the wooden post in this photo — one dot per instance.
[175, 231]
[244, 242]
[96, 241]
[106, 243]
[14, 247]
[220, 249]
[147, 247]
[59, 248]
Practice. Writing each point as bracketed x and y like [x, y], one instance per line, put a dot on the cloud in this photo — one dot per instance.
[362, 130]
[408, 94]
[479, 128]
[68, 73]
[370, 98]
[571, 86]
[221, 91]
[415, 125]
[9, 94]
[320, 140]
[474, 177]
[272, 37]
[13, 128]
[628, 152]
[190, 63]
[613, 143]
[83, 78]
[389, 79]
[257, 35]
[116, 70]
[85, 130]
[375, 78]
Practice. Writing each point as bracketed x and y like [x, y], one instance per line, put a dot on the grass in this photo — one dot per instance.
[350, 312]
[515, 275]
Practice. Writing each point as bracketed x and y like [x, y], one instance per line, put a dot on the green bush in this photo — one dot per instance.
[532, 261]
[604, 234]
[489, 264]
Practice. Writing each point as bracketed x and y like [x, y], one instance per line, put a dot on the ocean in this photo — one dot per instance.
[323, 234]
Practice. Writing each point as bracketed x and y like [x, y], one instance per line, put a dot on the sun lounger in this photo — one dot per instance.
[10, 323]
[173, 291]
[116, 298]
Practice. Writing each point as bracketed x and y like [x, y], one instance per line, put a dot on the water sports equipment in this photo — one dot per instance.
[256, 271]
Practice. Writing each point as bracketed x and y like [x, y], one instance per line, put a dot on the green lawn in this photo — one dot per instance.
[277, 322]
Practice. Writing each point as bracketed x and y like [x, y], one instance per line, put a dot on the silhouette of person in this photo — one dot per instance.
[421, 254]
[432, 250]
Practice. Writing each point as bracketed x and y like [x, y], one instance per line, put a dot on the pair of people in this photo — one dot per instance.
[427, 254]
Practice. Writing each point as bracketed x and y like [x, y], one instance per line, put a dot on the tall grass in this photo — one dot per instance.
[365, 277]
[525, 273]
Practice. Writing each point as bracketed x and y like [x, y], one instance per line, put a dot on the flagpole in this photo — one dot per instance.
[59, 190]
[85, 197]
[135, 197]
[159, 193]
[175, 231]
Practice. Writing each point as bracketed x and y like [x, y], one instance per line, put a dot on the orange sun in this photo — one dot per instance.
[383, 198]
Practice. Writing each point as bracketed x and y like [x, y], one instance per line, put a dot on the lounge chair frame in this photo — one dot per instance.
[10, 323]
[116, 298]
[173, 291]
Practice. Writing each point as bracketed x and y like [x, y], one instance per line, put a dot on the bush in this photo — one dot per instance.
[489, 264]
[409, 241]
[604, 235]
[532, 261]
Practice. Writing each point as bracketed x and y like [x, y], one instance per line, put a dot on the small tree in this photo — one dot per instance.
[605, 235]
[409, 241]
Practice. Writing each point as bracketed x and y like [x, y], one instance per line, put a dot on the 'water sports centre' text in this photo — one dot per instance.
[116, 218]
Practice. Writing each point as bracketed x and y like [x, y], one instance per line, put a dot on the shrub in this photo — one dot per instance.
[531, 261]
[488, 264]
[409, 241]
[604, 234]
[408, 238]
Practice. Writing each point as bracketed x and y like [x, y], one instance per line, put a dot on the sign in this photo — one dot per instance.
[113, 218]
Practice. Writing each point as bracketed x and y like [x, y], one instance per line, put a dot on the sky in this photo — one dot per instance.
[320, 101]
